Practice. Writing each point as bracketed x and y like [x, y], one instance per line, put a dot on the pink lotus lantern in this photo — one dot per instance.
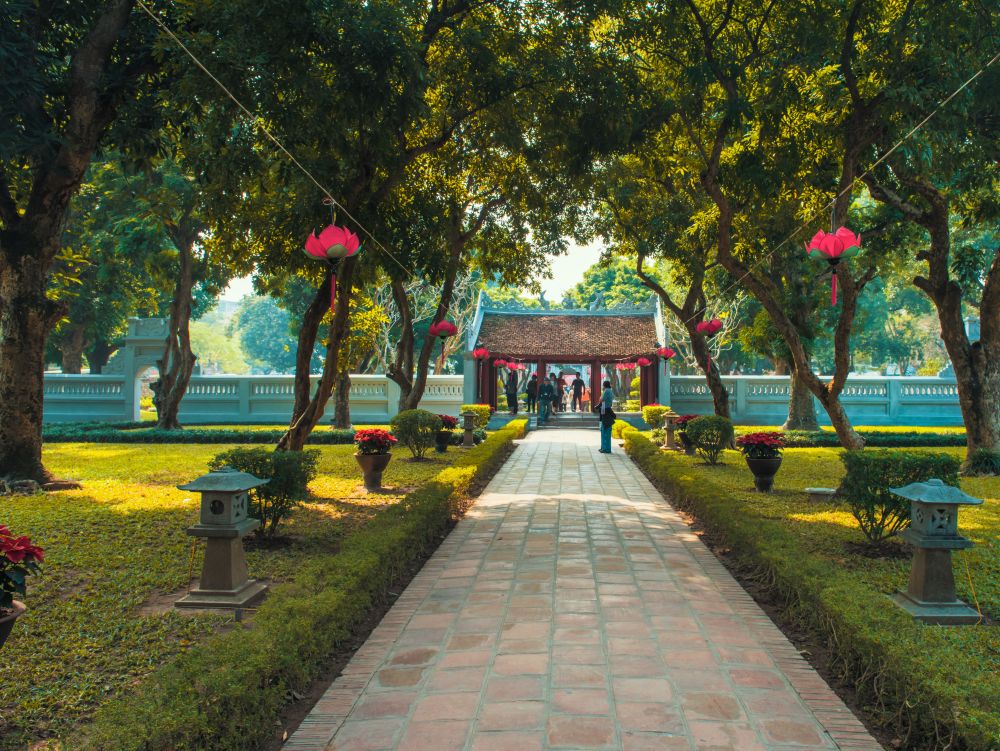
[666, 353]
[709, 328]
[501, 363]
[832, 248]
[643, 362]
[480, 353]
[444, 329]
[333, 243]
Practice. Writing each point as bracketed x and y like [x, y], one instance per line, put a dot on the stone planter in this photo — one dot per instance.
[764, 469]
[7, 621]
[686, 442]
[442, 440]
[372, 466]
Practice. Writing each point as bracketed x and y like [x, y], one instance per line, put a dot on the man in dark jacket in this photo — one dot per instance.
[532, 391]
[511, 390]
[546, 395]
[578, 386]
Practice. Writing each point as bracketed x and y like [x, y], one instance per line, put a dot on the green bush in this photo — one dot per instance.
[227, 693]
[653, 414]
[417, 430]
[804, 439]
[711, 435]
[632, 405]
[982, 462]
[288, 473]
[482, 412]
[870, 474]
[619, 427]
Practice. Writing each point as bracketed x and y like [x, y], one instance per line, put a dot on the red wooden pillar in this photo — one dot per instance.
[647, 384]
[595, 382]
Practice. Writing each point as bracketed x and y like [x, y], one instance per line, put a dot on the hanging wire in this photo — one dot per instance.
[832, 204]
[259, 122]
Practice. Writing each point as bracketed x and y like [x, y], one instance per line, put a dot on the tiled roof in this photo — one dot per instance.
[568, 338]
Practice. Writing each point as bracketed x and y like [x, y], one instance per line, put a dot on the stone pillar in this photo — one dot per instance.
[663, 381]
[470, 380]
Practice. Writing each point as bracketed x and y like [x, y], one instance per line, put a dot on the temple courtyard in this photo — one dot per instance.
[574, 608]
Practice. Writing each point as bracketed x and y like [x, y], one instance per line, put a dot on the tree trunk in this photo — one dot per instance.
[26, 318]
[801, 407]
[713, 377]
[307, 343]
[177, 363]
[342, 404]
[72, 350]
[977, 364]
[99, 355]
[297, 434]
[30, 239]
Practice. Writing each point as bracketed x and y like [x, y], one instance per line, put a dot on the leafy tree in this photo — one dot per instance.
[264, 332]
[69, 83]
[214, 349]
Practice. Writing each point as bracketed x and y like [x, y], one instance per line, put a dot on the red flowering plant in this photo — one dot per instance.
[761, 445]
[448, 422]
[374, 441]
[18, 559]
[683, 420]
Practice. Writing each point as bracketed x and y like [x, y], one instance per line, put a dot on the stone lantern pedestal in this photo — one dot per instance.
[468, 424]
[224, 582]
[933, 532]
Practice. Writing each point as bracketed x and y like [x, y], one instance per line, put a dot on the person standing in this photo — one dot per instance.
[607, 417]
[532, 391]
[578, 386]
[557, 393]
[511, 391]
[546, 393]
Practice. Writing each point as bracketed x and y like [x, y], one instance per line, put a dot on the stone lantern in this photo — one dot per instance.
[469, 424]
[933, 532]
[224, 522]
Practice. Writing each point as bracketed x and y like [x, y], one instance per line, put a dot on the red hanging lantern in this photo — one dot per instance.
[332, 244]
[481, 353]
[500, 363]
[666, 353]
[709, 329]
[643, 362]
[832, 248]
[443, 329]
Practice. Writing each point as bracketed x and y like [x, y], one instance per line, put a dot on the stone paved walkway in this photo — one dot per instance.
[574, 609]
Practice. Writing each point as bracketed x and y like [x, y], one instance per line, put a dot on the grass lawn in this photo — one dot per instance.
[93, 628]
[944, 675]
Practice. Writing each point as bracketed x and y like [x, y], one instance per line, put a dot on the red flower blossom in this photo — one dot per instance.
[374, 441]
[449, 422]
[758, 445]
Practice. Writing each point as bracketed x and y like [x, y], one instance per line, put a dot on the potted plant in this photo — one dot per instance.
[763, 454]
[18, 559]
[448, 424]
[680, 423]
[373, 454]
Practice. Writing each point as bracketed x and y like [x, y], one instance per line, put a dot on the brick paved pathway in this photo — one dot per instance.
[573, 609]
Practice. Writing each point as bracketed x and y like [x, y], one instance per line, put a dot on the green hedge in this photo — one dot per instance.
[140, 433]
[227, 693]
[807, 439]
[891, 659]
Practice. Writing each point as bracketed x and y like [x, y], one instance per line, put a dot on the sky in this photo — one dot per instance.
[567, 270]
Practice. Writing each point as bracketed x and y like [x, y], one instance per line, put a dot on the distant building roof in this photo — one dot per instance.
[566, 335]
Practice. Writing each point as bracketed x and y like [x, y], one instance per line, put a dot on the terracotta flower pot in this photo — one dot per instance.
[7, 621]
[372, 467]
[442, 440]
[764, 469]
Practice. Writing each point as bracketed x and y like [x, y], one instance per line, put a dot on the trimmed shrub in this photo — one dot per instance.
[288, 472]
[483, 412]
[653, 415]
[632, 405]
[618, 428]
[417, 430]
[142, 433]
[982, 462]
[711, 435]
[870, 474]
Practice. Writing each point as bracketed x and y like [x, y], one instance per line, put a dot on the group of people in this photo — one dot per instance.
[551, 394]
[548, 394]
